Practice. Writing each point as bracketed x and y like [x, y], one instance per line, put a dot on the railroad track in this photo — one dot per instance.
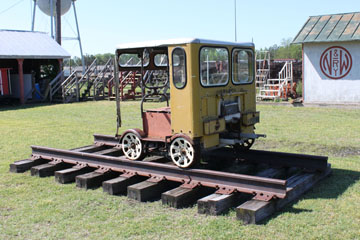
[257, 183]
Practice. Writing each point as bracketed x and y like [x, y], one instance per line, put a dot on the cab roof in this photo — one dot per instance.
[178, 41]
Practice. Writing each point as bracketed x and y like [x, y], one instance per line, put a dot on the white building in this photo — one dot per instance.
[331, 58]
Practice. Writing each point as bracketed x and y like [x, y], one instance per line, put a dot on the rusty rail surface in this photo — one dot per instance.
[278, 159]
[262, 188]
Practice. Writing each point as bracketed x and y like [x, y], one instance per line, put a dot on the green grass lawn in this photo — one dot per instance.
[34, 208]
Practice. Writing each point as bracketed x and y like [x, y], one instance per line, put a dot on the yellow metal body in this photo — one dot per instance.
[195, 108]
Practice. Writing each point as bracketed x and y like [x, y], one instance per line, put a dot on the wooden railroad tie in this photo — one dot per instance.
[119, 185]
[173, 192]
[254, 211]
[94, 179]
[184, 196]
[69, 175]
[216, 204]
[149, 190]
[48, 169]
[25, 165]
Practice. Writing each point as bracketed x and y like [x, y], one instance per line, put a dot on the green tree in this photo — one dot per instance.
[285, 50]
[288, 50]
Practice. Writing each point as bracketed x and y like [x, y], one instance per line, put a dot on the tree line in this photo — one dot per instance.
[285, 50]
[89, 58]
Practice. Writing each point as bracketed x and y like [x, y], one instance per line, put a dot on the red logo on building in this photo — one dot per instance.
[336, 62]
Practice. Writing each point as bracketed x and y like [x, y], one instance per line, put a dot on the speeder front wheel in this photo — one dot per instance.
[132, 146]
[183, 153]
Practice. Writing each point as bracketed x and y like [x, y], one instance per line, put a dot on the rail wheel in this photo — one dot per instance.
[183, 153]
[246, 145]
[132, 146]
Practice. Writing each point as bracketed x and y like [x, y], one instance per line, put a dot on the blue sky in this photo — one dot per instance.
[104, 24]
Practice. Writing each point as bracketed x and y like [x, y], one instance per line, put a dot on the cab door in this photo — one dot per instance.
[182, 121]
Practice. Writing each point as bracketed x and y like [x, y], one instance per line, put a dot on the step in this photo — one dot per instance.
[272, 85]
[267, 96]
[268, 90]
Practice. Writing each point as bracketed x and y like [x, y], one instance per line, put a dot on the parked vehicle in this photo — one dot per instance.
[212, 97]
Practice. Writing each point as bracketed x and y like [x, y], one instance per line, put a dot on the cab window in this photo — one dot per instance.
[160, 60]
[131, 60]
[179, 67]
[242, 70]
[214, 66]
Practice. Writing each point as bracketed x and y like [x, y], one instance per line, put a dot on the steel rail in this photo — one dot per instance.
[227, 182]
[108, 140]
[281, 159]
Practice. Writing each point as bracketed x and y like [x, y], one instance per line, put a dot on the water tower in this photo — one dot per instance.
[55, 9]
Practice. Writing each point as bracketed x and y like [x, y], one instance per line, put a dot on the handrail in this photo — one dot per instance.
[101, 79]
[56, 78]
[103, 71]
[286, 71]
[68, 88]
[54, 85]
[278, 87]
[72, 81]
[88, 70]
[67, 79]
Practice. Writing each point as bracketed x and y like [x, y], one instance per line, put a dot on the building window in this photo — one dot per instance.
[214, 66]
[242, 66]
[179, 67]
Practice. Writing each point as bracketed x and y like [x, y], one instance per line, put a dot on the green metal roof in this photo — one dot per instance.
[330, 28]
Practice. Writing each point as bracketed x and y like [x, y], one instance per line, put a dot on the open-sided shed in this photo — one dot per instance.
[331, 58]
[24, 56]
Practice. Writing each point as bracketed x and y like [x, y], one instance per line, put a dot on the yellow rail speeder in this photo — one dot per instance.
[212, 97]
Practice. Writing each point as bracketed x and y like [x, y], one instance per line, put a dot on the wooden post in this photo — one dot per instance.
[21, 79]
[60, 61]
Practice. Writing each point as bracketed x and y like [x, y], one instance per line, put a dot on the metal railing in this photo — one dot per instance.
[100, 81]
[68, 87]
[277, 87]
[55, 85]
[72, 86]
